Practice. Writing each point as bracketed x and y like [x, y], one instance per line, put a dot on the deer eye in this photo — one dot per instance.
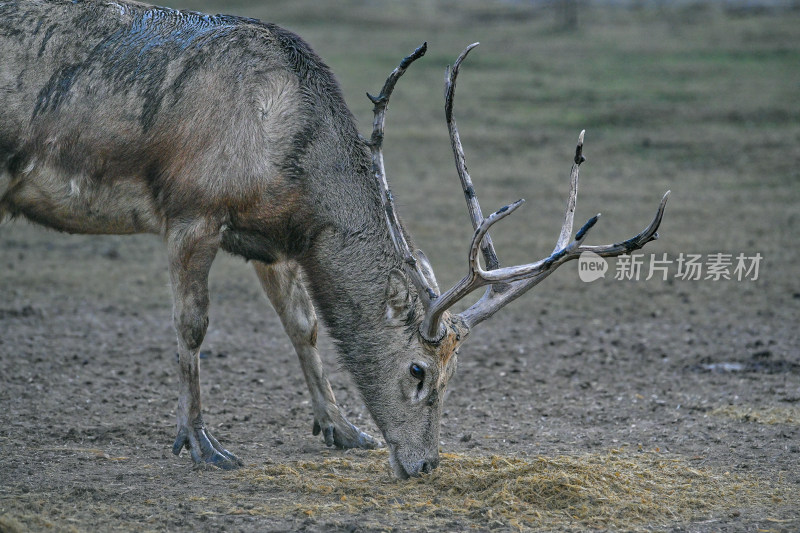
[417, 371]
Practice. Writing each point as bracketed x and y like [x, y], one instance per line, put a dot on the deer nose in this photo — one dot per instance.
[428, 465]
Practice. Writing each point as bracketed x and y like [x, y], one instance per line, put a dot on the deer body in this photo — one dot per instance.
[219, 132]
[120, 118]
[215, 132]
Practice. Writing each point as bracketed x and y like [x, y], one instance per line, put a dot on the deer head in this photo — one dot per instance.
[437, 333]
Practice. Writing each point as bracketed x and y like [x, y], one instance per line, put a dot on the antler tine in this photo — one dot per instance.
[650, 233]
[381, 102]
[487, 247]
[572, 200]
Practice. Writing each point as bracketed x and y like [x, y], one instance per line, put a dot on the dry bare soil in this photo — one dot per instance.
[668, 405]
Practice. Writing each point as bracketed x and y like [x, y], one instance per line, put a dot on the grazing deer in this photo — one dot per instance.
[220, 132]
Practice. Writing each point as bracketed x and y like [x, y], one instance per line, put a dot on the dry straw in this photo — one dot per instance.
[788, 415]
[618, 490]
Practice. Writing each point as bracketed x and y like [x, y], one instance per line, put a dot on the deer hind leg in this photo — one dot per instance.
[192, 248]
[284, 287]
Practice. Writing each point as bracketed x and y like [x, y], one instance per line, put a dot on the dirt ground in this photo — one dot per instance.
[704, 373]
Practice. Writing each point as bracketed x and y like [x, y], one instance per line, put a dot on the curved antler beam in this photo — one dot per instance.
[380, 103]
[474, 208]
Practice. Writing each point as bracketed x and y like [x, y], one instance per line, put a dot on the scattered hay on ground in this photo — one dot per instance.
[618, 490]
[9, 524]
[789, 415]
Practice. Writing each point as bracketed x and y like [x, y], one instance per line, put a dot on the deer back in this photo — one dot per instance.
[117, 117]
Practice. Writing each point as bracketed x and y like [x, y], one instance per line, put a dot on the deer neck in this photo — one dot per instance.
[348, 266]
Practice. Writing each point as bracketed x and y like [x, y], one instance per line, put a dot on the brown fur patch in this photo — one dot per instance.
[456, 333]
[447, 347]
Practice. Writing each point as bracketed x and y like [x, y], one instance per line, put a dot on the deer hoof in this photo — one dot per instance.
[343, 434]
[205, 449]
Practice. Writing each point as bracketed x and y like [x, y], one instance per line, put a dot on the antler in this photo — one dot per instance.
[473, 206]
[505, 284]
[519, 279]
[418, 278]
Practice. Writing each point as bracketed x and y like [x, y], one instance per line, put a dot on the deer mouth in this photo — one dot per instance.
[397, 468]
[404, 468]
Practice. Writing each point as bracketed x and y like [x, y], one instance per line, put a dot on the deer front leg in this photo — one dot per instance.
[191, 251]
[283, 284]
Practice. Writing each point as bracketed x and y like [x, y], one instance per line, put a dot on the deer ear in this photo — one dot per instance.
[427, 269]
[398, 298]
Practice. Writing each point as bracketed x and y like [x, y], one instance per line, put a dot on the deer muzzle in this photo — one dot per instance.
[409, 465]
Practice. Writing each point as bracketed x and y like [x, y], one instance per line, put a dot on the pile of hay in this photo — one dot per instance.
[618, 490]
